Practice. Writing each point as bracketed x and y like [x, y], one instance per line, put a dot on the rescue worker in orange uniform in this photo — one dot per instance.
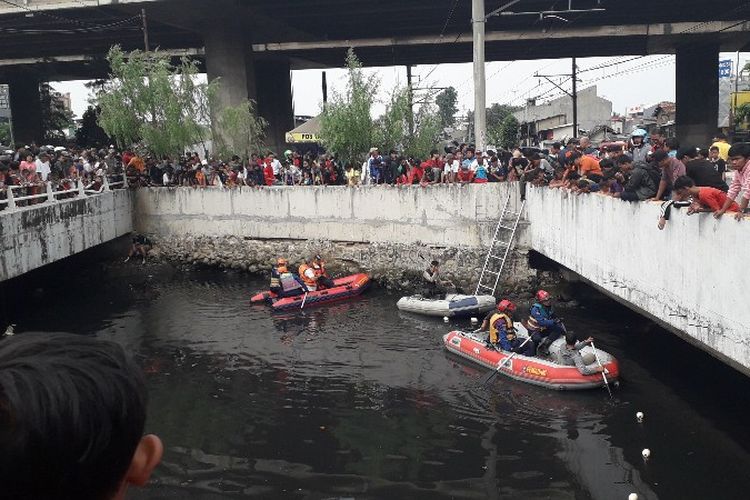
[319, 266]
[283, 282]
[308, 276]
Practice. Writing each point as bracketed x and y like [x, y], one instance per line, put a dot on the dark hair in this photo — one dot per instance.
[570, 338]
[659, 156]
[740, 149]
[683, 182]
[713, 148]
[433, 152]
[573, 157]
[435, 263]
[622, 160]
[606, 163]
[721, 135]
[557, 145]
[583, 183]
[672, 143]
[534, 156]
[690, 152]
[72, 412]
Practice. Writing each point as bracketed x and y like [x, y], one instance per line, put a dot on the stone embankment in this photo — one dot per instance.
[393, 265]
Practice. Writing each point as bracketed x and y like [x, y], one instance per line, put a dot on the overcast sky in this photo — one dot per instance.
[625, 80]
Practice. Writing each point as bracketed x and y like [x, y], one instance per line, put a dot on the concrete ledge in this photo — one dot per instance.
[686, 277]
[444, 215]
[32, 237]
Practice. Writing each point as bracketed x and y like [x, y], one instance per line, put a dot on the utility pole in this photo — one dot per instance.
[145, 30]
[410, 93]
[574, 75]
[478, 21]
[324, 88]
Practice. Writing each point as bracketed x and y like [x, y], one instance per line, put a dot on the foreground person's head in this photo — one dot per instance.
[72, 413]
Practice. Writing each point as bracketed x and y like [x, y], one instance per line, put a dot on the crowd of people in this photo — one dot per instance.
[642, 168]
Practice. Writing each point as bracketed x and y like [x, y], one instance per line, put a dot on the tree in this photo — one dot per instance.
[241, 130]
[5, 133]
[392, 129]
[446, 103]
[149, 99]
[56, 118]
[508, 132]
[346, 127]
[90, 134]
[427, 128]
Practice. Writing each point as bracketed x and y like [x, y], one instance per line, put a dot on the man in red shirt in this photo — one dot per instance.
[707, 199]
[465, 175]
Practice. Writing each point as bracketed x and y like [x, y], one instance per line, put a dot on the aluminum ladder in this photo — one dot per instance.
[499, 249]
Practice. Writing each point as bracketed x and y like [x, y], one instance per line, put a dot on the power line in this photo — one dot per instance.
[87, 25]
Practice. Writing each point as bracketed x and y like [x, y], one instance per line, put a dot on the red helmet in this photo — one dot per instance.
[542, 295]
[506, 305]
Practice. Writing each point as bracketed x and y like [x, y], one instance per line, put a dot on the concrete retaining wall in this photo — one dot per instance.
[686, 277]
[33, 236]
[449, 215]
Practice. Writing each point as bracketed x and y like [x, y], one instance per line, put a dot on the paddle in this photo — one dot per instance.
[304, 299]
[496, 371]
[604, 376]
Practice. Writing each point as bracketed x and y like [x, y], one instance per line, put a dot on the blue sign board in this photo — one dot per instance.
[725, 68]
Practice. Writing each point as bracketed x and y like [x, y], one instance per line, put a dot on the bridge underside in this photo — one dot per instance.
[60, 40]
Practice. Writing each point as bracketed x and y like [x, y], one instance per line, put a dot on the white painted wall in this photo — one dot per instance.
[449, 215]
[688, 277]
[33, 236]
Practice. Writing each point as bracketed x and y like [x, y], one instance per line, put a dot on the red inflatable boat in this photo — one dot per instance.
[346, 287]
[545, 372]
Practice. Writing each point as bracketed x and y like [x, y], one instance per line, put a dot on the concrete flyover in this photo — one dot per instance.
[252, 46]
[686, 277]
[34, 236]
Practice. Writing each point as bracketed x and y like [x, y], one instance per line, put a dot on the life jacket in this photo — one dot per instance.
[289, 282]
[310, 283]
[532, 324]
[319, 270]
[493, 329]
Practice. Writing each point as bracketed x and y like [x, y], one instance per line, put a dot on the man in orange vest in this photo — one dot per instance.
[319, 266]
[307, 274]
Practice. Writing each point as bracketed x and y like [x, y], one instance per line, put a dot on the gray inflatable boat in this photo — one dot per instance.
[452, 305]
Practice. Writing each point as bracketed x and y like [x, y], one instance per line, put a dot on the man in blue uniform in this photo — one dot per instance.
[544, 325]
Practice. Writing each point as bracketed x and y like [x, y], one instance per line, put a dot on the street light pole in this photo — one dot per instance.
[478, 21]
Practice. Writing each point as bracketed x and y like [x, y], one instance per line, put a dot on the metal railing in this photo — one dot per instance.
[12, 201]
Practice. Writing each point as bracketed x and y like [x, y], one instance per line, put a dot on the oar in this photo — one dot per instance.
[304, 299]
[604, 376]
[496, 371]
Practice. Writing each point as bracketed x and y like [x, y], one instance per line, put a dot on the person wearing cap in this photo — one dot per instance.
[544, 326]
[283, 282]
[319, 266]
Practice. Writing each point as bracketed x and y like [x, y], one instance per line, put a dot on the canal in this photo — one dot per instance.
[359, 401]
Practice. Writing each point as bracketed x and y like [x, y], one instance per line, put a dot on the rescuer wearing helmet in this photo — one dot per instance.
[284, 283]
[319, 267]
[639, 150]
[544, 325]
[502, 333]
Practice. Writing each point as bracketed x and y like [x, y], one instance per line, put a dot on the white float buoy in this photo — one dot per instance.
[445, 319]
[474, 321]
[633, 496]
[639, 417]
[646, 453]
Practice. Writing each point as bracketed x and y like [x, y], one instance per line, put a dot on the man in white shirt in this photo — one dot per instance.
[43, 167]
[275, 165]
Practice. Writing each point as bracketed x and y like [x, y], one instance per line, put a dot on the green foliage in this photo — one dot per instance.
[507, 136]
[446, 103]
[90, 134]
[149, 99]
[391, 131]
[742, 113]
[346, 127]
[56, 118]
[5, 133]
[240, 130]
[427, 127]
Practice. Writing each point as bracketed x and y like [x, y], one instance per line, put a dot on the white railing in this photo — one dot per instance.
[12, 200]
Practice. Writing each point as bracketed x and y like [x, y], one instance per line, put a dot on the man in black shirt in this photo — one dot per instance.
[701, 171]
[719, 164]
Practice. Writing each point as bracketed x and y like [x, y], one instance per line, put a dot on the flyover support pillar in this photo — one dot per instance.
[274, 90]
[697, 92]
[26, 108]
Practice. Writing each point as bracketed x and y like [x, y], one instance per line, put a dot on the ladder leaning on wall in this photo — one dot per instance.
[499, 249]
